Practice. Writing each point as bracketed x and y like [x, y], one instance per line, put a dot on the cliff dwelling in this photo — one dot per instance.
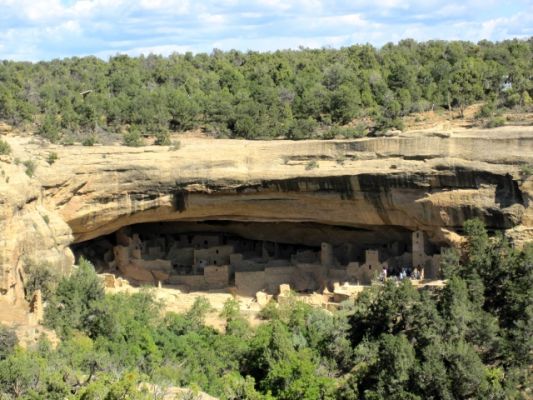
[259, 256]
[144, 214]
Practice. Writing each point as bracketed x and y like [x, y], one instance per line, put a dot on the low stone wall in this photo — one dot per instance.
[183, 256]
[153, 253]
[276, 276]
[309, 277]
[192, 282]
[163, 265]
[362, 274]
[216, 277]
[337, 275]
[399, 262]
[248, 266]
[217, 255]
[206, 241]
[249, 283]
[137, 274]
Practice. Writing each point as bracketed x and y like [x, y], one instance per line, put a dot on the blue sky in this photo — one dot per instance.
[45, 29]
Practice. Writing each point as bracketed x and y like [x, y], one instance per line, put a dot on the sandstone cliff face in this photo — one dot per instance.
[425, 180]
[31, 234]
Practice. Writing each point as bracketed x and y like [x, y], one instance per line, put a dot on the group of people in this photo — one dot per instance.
[405, 273]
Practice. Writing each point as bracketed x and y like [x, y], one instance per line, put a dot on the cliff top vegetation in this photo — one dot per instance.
[295, 94]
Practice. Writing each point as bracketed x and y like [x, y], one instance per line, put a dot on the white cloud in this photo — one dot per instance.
[337, 21]
[213, 19]
[281, 5]
[45, 29]
[180, 7]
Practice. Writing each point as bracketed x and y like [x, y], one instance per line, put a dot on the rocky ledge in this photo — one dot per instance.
[431, 181]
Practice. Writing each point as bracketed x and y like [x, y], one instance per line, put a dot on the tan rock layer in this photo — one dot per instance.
[432, 181]
[30, 234]
[427, 181]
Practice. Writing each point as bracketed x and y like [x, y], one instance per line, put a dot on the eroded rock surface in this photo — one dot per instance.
[422, 180]
[31, 233]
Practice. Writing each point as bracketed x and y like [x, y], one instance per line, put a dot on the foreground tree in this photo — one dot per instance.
[73, 306]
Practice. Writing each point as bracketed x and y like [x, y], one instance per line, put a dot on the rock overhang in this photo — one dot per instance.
[423, 180]
[426, 180]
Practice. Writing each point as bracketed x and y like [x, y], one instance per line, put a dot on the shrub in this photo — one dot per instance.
[487, 110]
[302, 129]
[40, 276]
[133, 138]
[8, 340]
[526, 169]
[52, 157]
[512, 99]
[311, 165]
[73, 304]
[175, 145]
[30, 167]
[329, 134]
[270, 311]
[49, 129]
[198, 312]
[346, 132]
[526, 98]
[384, 123]
[5, 148]
[89, 141]
[421, 105]
[220, 131]
[67, 141]
[162, 138]
[359, 130]
[495, 122]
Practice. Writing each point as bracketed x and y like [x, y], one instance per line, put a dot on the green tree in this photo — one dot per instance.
[465, 87]
[21, 373]
[49, 128]
[72, 306]
[44, 277]
[8, 340]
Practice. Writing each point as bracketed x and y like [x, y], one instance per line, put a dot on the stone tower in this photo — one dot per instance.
[418, 249]
[326, 255]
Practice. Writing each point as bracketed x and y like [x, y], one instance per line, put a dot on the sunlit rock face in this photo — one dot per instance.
[31, 234]
[426, 181]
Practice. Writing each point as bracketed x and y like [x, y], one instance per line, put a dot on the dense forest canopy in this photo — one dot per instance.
[472, 339]
[291, 94]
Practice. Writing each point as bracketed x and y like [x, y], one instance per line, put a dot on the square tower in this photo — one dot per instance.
[326, 255]
[418, 249]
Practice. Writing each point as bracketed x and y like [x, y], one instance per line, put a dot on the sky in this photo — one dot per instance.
[33, 30]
